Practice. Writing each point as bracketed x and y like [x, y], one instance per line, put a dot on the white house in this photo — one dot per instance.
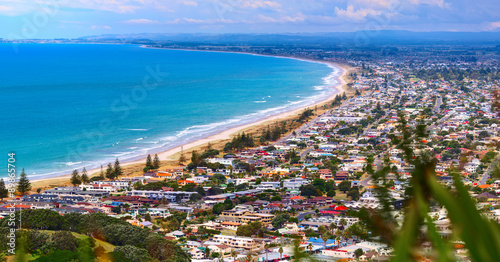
[338, 253]
[224, 161]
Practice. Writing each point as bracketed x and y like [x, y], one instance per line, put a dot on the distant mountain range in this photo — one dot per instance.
[358, 37]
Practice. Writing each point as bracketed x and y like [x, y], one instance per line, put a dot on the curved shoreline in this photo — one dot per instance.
[231, 131]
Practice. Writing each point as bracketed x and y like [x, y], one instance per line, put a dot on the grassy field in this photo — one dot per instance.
[107, 246]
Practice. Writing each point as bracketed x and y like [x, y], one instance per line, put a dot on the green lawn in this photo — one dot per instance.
[107, 246]
[340, 196]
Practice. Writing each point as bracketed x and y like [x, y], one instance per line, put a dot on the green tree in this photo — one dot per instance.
[299, 255]
[292, 156]
[117, 209]
[200, 190]
[308, 190]
[156, 162]
[319, 184]
[195, 197]
[219, 207]
[219, 179]
[64, 240]
[495, 172]
[344, 186]
[325, 237]
[149, 164]
[234, 254]
[102, 176]
[353, 193]
[332, 227]
[163, 250]
[207, 252]
[369, 165]
[117, 169]
[276, 198]
[322, 229]
[195, 159]
[331, 193]
[85, 176]
[123, 234]
[131, 253]
[4, 192]
[110, 174]
[42, 219]
[75, 178]
[38, 242]
[251, 229]
[279, 220]
[358, 252]
[202, 230]
[24, 184]
[182, 159]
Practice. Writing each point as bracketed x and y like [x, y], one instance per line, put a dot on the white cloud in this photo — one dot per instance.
[267, 19]
[374, 3]
[439, 3]
[261, 4]
[15, 7]
[292, 19]
[492, 26]
[321, 19]
[190, 3]
[495, 24]
[19, 7]
[284, 19]
[122, 6]
[200, 21]
[95, 27]
[357, 15]
[141, 21]
[5, 8]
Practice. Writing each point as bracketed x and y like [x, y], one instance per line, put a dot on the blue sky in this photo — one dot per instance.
[74, 18]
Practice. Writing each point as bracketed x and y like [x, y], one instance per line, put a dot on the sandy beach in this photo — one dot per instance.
[173, 154]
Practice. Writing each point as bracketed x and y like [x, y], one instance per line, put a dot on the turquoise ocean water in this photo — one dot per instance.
[66, 106]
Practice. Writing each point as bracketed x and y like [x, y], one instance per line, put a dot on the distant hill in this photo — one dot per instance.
[358, 37]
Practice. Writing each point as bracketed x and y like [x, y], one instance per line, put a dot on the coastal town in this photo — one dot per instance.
[301, 186]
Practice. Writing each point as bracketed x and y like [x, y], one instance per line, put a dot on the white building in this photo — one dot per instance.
[295, 183]
[169, 195]
[224, 161]
[236, 242]
[269, 185]
[338, 253]
[98, 187]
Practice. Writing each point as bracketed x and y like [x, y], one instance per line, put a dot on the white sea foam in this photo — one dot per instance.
[260, 101]
[73, 163]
